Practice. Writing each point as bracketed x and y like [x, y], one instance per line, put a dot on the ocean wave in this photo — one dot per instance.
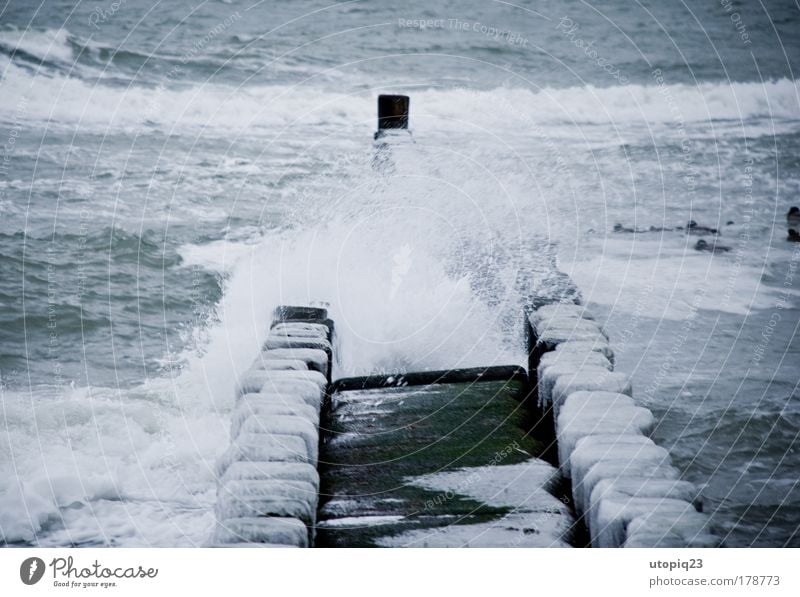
[45, 45]
[167, 105]
[626, 104]
[58, 54]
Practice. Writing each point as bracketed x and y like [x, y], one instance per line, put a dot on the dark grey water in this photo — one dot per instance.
[172, 170]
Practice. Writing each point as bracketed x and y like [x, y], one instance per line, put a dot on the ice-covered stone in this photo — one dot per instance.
[259, 380]
[593, 449]
[301, 330]
[670, 540]
[597, 419]
[308, 391]
[260, 405]
[570, 324]
[548, 374]
[582, 398]
[620, 469]
[267, 471]
[310, 399]
[275, 342]
[575, 358]
[614, 513]
[588, 379]
[553, 336]
[560, 310]
[285, 425]
[314, 358]
[269, 484]
[579, 347]
[257, 447]
[261, 364]
[292, 499]
[266, 530]
[302, 313]
[245, 488]
[639, 487]
[660, 529]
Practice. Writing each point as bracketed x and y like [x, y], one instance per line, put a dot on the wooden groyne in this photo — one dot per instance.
[624, 488]
[449, 458]
[557, 455]
[268, 484]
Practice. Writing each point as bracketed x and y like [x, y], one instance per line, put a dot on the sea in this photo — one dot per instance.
[172, 171]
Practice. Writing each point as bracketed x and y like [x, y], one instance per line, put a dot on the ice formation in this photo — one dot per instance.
[603, 449]
[266, 471]
[588, 378]
[256, 447]
[659, 529]
[270, 364]
[600, 345]
[268, 483]
[570, 367]
[275, 341]
[259, 379]
[622, 483]
[256, 405]
[621, 488]
[314, 358]
[597, 419]
[614, 513]
[559, 311]
[301, 330]
[268, 530]
[285, 425]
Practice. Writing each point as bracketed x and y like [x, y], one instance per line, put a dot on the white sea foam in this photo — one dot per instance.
[425, 319]
[669, 276]
[216, 106]
[537, 518]
[99, 466]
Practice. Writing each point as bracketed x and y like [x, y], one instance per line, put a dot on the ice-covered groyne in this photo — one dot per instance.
[624, 487]
[268, 487]
[391, 439]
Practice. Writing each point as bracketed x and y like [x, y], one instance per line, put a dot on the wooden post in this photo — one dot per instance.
[393, 112]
